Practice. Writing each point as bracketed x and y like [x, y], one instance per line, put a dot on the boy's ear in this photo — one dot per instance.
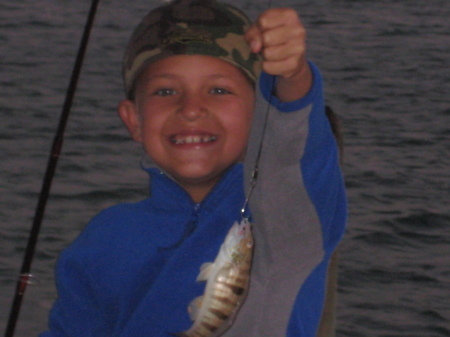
[130, 117]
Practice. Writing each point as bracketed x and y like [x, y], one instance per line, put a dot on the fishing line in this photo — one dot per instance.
[255, 172]
[25, 276]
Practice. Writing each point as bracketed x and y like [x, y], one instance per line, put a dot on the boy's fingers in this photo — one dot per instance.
[279, 53]
[292, 37]
[277, 17]
[283, 41]
[274, 27]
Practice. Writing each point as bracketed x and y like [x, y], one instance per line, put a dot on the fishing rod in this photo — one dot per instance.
[25, 276]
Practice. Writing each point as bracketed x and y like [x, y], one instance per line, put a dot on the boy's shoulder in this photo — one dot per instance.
[117, 235]
[118, 213]
[114, 225]
[131, 224]
[120, 238]
[117, 218]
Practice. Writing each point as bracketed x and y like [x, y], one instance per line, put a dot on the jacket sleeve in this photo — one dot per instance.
[299, 212]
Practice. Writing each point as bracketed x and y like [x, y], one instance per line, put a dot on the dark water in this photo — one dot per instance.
[386, 66]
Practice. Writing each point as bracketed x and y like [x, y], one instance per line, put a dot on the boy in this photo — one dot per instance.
[190, 70]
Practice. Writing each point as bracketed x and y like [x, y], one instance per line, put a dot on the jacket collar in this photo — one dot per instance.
[166, 193]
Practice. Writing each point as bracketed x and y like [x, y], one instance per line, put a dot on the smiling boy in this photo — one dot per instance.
[198, 104]
[192, 113]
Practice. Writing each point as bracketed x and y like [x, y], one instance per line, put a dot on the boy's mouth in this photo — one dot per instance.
[192, 139]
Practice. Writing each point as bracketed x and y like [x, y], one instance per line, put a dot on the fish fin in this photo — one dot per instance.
[205, 271]
[194, 307]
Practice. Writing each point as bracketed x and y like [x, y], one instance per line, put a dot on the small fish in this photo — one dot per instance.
[227, 284]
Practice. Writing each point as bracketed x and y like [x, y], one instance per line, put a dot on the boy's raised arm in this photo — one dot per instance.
[280, 37]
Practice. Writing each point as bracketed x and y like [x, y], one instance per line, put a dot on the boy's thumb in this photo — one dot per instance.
[254, 39]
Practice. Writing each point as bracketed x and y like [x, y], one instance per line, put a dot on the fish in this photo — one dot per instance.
[227, 280]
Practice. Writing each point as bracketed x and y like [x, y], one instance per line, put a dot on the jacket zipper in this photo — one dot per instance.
[189, 228]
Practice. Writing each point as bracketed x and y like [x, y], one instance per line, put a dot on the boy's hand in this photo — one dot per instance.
[280, 37]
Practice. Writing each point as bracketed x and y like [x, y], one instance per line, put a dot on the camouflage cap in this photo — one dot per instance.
[190, 27]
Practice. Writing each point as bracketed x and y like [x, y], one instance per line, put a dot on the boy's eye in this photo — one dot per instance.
[220, 91]
[165, 92]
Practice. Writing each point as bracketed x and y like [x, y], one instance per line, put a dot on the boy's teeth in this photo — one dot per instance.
[193, 139]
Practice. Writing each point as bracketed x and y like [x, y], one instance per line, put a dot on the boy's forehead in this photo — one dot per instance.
[190, 27]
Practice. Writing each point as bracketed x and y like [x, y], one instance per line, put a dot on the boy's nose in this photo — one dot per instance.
[192, 107]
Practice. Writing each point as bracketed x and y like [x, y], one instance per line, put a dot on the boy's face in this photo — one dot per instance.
[192, 114]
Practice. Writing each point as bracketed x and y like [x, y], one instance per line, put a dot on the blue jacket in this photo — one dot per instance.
[132, 271]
